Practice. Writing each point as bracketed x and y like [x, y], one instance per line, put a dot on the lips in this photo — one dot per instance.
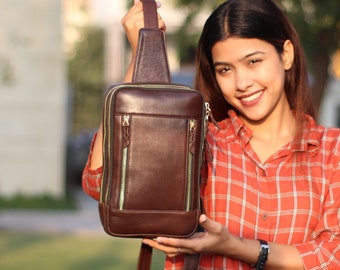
[252, 99]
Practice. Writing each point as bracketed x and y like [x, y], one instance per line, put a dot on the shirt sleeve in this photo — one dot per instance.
[323, 252]
[91, 179]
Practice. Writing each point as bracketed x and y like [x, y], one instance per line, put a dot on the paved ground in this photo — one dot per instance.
[83, 220]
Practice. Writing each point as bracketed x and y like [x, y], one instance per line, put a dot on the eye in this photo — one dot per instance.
[223, 70]
[254, 61]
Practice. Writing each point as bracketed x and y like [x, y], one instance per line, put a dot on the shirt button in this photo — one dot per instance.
[264, 216]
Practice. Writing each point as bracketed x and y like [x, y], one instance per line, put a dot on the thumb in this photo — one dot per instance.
[136, 1]
[210, 225]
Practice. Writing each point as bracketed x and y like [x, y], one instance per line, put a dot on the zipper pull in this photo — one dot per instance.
[207, 111]
[206, 118]
[126, 130]
[192, 135]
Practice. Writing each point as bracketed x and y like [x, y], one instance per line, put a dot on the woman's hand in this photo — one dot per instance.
[133, 21]
[216, 240]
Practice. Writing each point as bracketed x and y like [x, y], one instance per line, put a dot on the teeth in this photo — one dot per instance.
[252, 97]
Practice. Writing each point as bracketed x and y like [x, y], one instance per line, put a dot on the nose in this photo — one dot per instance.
[243, 80]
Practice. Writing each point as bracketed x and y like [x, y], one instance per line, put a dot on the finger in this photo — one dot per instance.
[133, 19]
[210, 225]
[161, 23]
[136, 1]
[184, 244]
[168, 250]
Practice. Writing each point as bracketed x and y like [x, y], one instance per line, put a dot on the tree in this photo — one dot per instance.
[187, 35]
[317, 22]
[86, 78]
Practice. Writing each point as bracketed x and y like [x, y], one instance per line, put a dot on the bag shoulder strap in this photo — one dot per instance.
[150, 14]
[145, 257]
[151, 64]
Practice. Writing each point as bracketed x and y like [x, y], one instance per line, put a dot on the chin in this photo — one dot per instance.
[253, 118]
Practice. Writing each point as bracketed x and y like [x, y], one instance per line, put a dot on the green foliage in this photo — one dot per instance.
[187, 36]
[317, 23]
[86, 78]
[21, 201]
[199, 3]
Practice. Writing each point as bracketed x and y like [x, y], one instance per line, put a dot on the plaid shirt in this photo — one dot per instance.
[293, 198]
[92, 179]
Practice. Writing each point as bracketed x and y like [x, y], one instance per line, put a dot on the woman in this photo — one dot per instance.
[271, 172]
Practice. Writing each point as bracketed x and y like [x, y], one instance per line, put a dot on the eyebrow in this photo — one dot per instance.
[245, 57]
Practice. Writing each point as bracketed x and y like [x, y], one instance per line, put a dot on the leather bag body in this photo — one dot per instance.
[153, 138]
[152, 157]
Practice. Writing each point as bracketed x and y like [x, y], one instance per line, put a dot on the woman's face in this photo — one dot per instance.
[251, 75]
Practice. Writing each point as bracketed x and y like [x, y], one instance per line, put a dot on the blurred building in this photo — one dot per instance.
[33, 97]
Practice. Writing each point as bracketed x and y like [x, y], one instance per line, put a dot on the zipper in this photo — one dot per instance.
[207, 115]
[192, 126]
[125, 151]
[106, 135]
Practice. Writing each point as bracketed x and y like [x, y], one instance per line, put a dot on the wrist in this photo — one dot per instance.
[263, 256]
[243, 249]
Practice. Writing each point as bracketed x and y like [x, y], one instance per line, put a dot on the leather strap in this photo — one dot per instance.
[191, 261]
[150, 14]
[145, 256]
[145, 259]
[151, 64]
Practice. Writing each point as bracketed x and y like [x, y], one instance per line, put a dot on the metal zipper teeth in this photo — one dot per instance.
[123, 178]
[190, 157]
[189, 172]
[125, 125]
[175, 87]
[204, 124]
[103, 199]
[106, 135]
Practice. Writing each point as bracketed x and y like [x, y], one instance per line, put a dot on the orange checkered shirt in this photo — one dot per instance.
[293, 198]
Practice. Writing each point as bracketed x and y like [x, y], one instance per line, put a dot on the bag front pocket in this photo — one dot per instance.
[157, 157]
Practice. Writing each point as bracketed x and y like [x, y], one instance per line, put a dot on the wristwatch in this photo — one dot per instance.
[264, 251]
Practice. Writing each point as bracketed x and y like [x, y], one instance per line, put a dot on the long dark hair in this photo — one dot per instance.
[260, 19]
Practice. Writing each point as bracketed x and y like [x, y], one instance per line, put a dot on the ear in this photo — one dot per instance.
[288, 54]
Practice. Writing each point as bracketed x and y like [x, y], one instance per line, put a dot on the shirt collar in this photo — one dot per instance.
[237, 128]
[308, 140]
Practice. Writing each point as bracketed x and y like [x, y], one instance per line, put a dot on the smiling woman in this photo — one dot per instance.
[271, 174]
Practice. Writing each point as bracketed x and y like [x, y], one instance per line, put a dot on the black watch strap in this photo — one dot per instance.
[264, 251]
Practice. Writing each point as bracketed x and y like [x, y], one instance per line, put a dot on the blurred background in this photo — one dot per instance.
[57, 57]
